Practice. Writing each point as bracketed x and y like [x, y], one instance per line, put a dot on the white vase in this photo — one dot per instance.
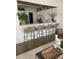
[57, 40]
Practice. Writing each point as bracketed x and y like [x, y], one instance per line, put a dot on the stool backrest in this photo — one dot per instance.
[29, 29]
[49, 26]
[41, 27]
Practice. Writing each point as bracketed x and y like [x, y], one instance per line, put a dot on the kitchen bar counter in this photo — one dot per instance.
[20, 32]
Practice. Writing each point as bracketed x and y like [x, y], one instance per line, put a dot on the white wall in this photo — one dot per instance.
[60, 13]
[45, 13]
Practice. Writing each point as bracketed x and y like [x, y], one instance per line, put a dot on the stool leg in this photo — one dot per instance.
[26, 40]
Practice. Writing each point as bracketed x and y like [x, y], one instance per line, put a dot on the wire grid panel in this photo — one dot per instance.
[38, 34]
[29, 36]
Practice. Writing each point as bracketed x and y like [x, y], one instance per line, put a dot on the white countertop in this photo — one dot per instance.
[36, 25]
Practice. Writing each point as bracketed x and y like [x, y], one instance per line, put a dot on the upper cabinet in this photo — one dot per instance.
[43, 2]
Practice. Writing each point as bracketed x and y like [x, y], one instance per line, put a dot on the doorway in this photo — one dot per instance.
[31, 17]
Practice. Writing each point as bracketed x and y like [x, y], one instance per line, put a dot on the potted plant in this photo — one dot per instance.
[52, 15]
[23, 17]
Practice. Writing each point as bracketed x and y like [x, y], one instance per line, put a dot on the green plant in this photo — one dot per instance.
[22, 16]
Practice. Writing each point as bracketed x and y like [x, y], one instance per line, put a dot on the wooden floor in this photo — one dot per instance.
[27, 46]
[32, 53]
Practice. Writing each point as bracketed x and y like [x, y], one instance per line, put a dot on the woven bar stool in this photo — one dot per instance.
[40, 29]
[40, 33]
[54, 27]
[29, 36]
[49, 31]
